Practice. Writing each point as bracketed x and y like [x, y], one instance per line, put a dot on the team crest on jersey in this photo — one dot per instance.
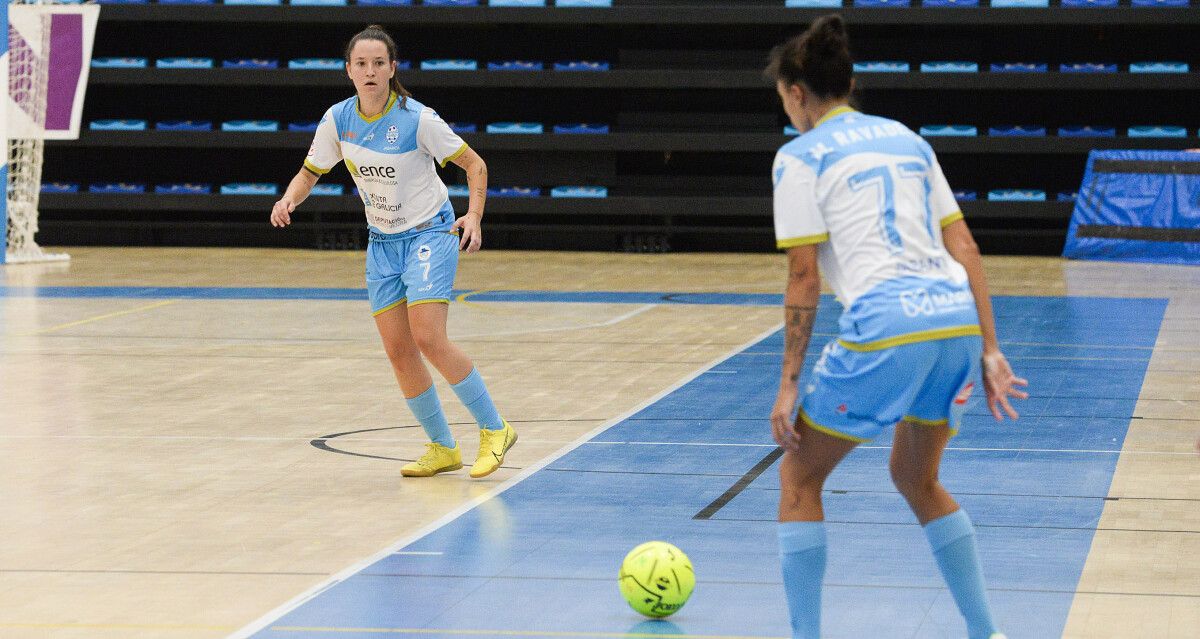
[393, 134]
[424, 253]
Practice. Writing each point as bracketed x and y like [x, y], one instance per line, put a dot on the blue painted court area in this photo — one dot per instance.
[541, 559]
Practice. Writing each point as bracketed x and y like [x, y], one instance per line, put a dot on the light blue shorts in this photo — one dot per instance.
[856, 394]
[413, 268]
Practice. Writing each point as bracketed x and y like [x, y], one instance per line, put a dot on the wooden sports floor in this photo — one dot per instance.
[201, 443]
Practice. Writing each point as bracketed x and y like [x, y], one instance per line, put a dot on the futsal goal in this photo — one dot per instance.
[47, 49]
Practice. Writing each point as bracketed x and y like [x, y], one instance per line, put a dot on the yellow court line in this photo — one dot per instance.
[104, 317]
[512, 633]
[114, 626]
[462, 299]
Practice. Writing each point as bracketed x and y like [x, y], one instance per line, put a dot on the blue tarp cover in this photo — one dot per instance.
[1139, 206]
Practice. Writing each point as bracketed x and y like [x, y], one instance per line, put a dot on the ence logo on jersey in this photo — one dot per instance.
[377, 171]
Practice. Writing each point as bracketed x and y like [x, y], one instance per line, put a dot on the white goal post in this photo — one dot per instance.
[47, 50]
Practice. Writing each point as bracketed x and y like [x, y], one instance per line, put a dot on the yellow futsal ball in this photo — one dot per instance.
[656, 579]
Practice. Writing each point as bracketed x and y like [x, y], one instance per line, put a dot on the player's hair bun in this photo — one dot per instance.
[819, 58]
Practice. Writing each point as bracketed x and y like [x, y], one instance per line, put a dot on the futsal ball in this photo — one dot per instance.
[656, 579]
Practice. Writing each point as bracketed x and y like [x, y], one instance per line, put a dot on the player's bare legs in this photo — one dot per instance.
[916, 457]
[402, 351]
[442, 453]
[802, 474]
[428, 326]
[496, 436]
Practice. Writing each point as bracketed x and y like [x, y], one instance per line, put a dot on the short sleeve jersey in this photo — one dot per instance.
[391, 157]
[871, 193]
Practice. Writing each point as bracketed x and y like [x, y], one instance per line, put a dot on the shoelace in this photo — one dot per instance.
[430, 455]
[485, 440]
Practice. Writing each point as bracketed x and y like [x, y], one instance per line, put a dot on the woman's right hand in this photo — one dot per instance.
[1000, 383]
[281, 213]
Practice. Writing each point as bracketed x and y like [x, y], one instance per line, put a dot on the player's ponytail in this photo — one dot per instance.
[819, 58]
[376, 32]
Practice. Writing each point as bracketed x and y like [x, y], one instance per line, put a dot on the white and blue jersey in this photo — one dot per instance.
[391, 157]
[870, 192]
[413, 253]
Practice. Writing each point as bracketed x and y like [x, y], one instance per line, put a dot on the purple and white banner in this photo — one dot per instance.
[68, 43]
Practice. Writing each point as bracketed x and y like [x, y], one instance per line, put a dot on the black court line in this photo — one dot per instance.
[739, 485]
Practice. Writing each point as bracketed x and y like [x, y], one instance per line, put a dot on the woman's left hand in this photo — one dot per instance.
[472, 234]
[783, 416]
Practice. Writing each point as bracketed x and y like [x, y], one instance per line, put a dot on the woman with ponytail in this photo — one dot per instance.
[390, 143]
[863, 199]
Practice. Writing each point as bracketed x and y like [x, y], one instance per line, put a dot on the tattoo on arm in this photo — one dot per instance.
[481, 172]
[798, 325]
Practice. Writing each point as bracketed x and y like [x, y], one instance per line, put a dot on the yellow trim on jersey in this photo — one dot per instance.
[315, 169]
[833, 113]
[432, 300]
[351, 167]
[917, 421]
[801, 241]
[389, 307]
[951, 219]
[913, 338]
[454, 156]
[387, 107]
[829, 431]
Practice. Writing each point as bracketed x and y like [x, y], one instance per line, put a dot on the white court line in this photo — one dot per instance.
[430, 553]
[962, 448]
[394, 440]
[238, 438]
[306, 596]
[616, 320]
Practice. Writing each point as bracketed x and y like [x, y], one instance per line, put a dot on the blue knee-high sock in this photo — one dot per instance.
[802, 553]
[952, 539]
[428, 410]
[474, 395]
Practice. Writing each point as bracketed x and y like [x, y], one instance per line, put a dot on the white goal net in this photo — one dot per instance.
[27, 82]
[46, 52]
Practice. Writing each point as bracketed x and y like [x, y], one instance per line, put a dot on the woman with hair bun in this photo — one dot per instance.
[863, 199]
[389, 143]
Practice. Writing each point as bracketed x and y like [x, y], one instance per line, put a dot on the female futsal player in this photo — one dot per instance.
[865, 198]
[389, 143]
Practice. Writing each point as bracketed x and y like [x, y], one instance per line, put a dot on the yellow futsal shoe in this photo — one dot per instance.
[492, 446]
[437, 459]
